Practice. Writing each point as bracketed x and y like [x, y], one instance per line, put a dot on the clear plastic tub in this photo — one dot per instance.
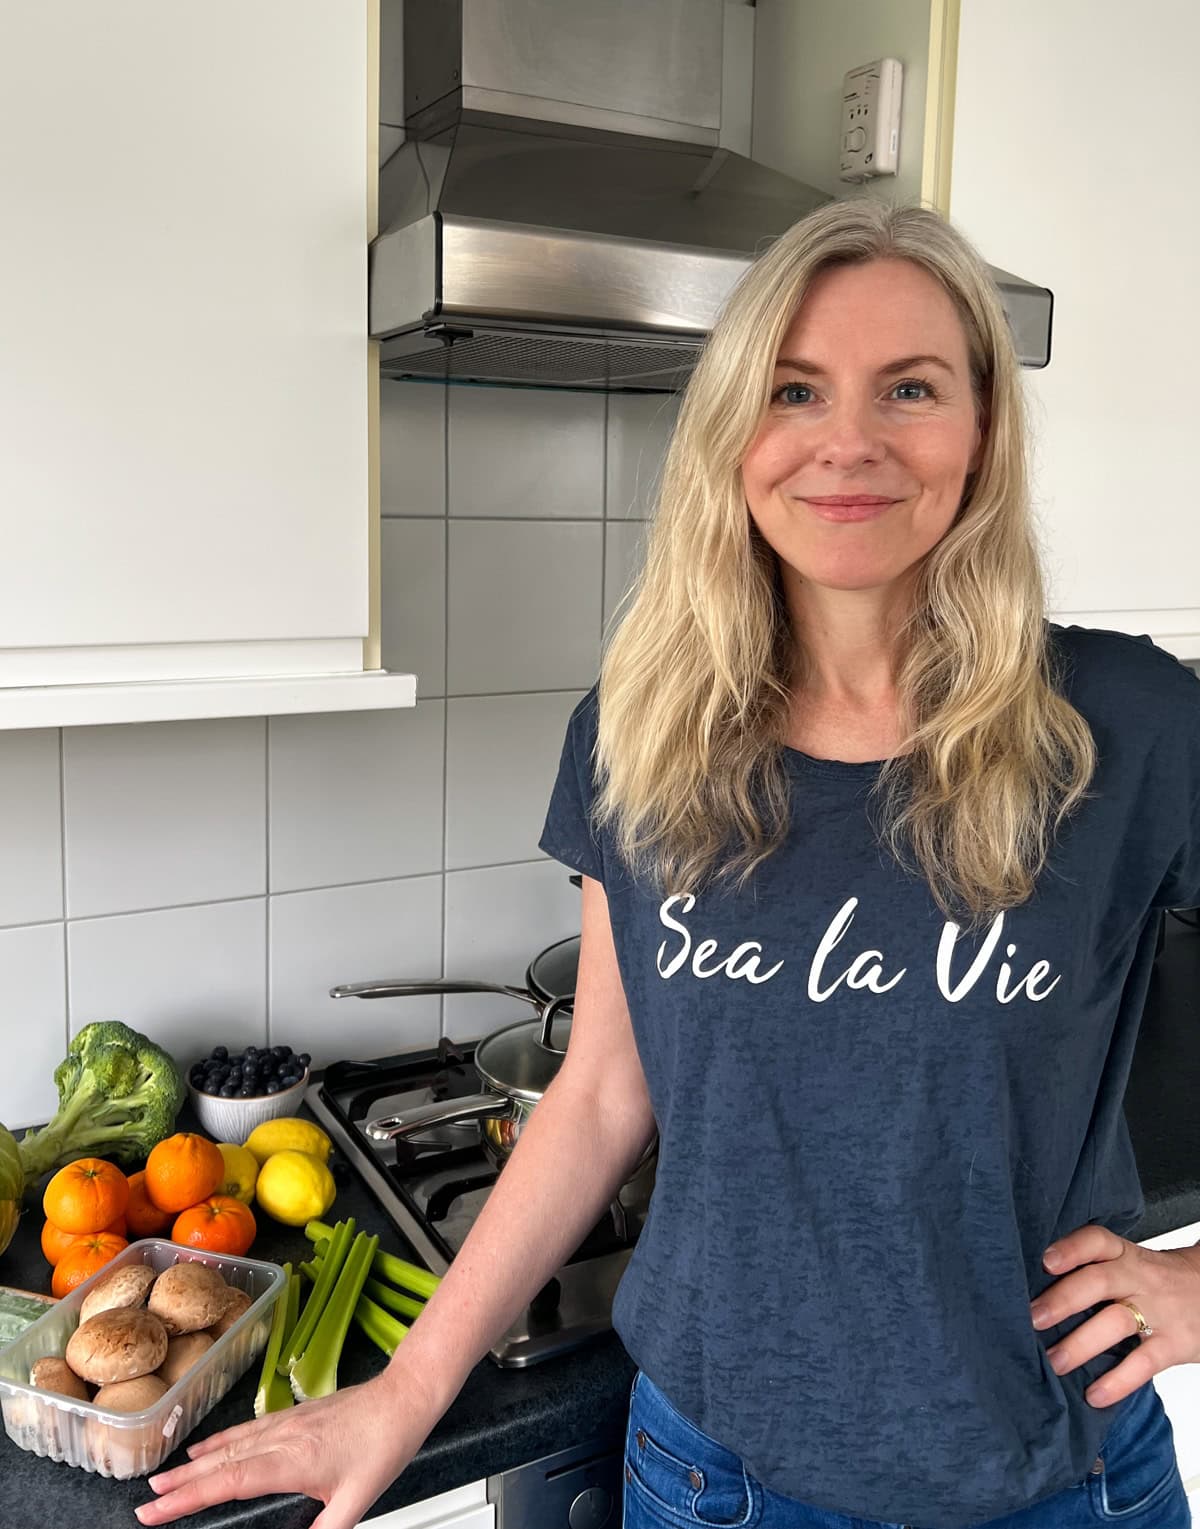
[135, 1443]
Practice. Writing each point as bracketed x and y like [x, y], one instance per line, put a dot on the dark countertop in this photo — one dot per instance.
[500, 1419]
[504, 1418]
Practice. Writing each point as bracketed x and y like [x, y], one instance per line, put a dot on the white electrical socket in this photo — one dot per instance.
[870, 137]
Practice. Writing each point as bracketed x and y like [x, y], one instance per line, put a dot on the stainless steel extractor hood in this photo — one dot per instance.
[563, 211]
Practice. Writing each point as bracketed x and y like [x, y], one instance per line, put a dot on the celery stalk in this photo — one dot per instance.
[378, 1325]
[387, 1266]
[274, 1394]
[314, 1373]
[293, 1312]
[386, 1296]
[339, 1246]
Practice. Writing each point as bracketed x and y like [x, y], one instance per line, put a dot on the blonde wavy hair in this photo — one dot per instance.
[695, 690]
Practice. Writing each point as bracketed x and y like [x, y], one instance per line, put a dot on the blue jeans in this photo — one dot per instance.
[678, 1478]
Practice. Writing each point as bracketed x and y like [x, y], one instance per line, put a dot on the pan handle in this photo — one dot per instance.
[470, 1107]
[395, 987]
[549, 1014]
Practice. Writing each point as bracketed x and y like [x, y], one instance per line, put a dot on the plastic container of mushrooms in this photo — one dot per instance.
[156, 1353]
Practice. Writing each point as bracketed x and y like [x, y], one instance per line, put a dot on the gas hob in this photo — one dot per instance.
[433, 1187]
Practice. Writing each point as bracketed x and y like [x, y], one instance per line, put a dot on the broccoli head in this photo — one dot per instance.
[118, 1095]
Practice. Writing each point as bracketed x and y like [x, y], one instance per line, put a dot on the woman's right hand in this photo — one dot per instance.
[344, 1450]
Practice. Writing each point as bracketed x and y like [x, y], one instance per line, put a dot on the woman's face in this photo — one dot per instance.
[858, 468]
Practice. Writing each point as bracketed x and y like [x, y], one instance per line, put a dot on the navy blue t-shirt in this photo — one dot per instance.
[872, 1125]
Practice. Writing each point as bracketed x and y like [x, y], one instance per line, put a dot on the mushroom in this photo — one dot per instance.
[52, 1374]
[131, 1395]
[237, 1303]
[117, 1345]
[188, 1296]
[182, 1352]
[123, 1287]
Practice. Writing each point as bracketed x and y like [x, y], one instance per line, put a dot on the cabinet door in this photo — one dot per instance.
[183, 354]
[1179, 1388]
[1042, 171]
[463, 1508]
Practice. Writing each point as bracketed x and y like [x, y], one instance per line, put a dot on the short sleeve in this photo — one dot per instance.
[1180, 798]
[568, 834]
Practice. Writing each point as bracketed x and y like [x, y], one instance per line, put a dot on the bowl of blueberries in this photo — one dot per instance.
[232, 1092]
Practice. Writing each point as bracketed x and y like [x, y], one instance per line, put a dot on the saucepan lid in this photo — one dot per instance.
[522, 1060]
[553, 972]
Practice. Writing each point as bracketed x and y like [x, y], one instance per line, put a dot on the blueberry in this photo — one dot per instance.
[304, 1059]
[251, 1051]
[246, 1091]
[281, 1053]
[196, 1076]
[273, 1086]
[227, 1090]
[219, 1053]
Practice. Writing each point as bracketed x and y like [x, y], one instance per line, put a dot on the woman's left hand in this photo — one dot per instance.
[1095, 1265]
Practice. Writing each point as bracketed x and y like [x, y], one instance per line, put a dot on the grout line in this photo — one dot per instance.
[62, 841]
[603, 523]
[267, 853]
[445, 707]
[207, 902]
[528, 520]
[499, 695]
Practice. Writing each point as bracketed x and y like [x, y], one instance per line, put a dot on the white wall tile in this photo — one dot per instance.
[355, 796]
[526, 452]
[497, 920]
[353, 934]
[412, 448]
[30, 827]
[624, 549]
[524, 606]
[639, 430]
[164, 813]
[502, 757]
[189, 978]
[33, 1022]
[413, 614]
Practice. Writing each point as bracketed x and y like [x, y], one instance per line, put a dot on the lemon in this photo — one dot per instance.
[295, 1187]
[288, 1134]
[241, 1172]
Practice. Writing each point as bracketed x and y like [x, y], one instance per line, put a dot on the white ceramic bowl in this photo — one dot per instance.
[234, 1119]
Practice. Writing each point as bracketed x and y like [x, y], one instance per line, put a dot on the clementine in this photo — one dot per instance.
[183, 1170]
[221, 1224]
[86, 1196]
[144, 1217]
[85, 1257]
[55, 1241]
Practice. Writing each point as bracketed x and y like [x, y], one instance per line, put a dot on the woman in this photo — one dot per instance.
[871, 856]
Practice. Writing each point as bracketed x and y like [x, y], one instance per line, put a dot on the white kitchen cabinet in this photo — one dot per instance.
[1179, 1388]
[463, 1508]
[1051, 181]
[187, 489]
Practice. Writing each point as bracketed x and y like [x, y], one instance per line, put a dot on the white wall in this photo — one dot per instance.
[210, 881]
[802, 50]
[1072, 167]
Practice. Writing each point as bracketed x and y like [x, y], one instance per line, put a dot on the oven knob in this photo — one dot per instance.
[591, 1509]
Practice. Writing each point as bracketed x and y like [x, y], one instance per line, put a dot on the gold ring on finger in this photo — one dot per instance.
[1144, 1330]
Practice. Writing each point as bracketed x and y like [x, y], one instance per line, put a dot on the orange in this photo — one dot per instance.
[144, 1217]
[55, 1241]
[82, 1259]
[86, 1196]
[221, 1224]
[183, 1170]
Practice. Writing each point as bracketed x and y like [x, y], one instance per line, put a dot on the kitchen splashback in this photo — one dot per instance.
[210, 881]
